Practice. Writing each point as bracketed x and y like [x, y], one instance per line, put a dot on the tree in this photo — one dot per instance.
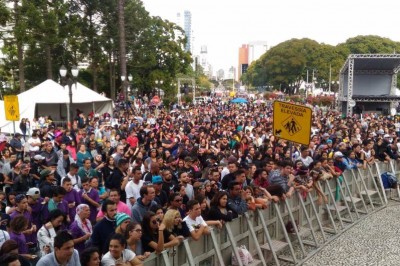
[289, 61]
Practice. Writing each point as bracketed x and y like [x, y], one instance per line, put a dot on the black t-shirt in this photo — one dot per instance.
[162, 198]
[147, 238]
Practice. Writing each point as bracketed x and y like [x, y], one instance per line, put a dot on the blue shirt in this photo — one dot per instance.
[50, 259]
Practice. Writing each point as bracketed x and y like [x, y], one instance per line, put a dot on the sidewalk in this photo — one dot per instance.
[374, 241]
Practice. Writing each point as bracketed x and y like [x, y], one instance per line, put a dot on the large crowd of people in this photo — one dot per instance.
[117, 187]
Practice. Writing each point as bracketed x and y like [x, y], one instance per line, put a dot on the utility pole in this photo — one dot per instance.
[330, 77]
[122, 44]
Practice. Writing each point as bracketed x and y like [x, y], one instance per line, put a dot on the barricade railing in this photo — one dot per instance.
[351, 198]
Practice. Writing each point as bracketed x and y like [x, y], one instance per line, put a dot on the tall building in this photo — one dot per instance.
[231, 73]
[243, 60]
[249, 53]
[256, 50]
[186, 25]
[187, 16]
[203, 61]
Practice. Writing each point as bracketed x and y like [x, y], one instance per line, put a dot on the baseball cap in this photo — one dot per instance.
[380, 132]
[38, 157]
[33, 192]
[156, 179]
[45, 173]
[386, 136]
[338, 154]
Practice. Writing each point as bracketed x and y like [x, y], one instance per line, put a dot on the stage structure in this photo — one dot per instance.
[368, 82]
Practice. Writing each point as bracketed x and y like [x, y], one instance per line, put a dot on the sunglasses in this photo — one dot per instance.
[154, 222]
[178, 200]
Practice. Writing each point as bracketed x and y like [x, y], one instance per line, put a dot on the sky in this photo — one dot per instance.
[224, 25]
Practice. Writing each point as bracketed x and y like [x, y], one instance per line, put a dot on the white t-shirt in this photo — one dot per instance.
[3, 237]
[108, 260]
[193, 224]
[34, 141]
[132, 190]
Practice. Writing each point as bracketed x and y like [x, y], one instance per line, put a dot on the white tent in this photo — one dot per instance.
[50, 98]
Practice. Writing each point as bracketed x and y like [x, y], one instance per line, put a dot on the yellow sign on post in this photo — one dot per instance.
[11, 107]
[292, 122]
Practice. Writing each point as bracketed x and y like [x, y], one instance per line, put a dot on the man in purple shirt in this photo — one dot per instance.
[72, 197]
[56, 202]
[90, 196]
[21, 208]
[35, 205]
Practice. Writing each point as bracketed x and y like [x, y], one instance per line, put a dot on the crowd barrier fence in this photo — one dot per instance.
[350, 199]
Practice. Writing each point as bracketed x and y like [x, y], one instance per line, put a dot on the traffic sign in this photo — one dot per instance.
[11, 107]
[292, 122]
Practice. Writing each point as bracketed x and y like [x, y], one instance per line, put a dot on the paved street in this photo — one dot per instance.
[374, 241]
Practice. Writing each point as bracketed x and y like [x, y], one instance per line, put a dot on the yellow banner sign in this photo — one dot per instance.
[11, 107]
[292, 122]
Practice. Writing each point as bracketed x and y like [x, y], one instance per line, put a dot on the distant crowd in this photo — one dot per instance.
[117, 187]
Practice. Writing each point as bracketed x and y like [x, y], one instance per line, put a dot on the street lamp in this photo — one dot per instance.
[125, 84]
[66, 80]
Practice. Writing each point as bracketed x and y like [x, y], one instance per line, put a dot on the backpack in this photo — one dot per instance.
[389, 180]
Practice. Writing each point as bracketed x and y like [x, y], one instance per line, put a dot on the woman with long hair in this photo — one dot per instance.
[175, 225]
[133, 235]
[155, 237]
[152, 158]
[218, 209]
[108, 169]
[49, 230]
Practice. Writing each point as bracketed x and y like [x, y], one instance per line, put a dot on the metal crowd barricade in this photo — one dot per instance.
[264, 232]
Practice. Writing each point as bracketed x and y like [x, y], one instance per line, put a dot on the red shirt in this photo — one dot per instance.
[133, 141]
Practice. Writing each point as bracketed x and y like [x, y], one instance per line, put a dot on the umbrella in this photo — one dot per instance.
[239, 100]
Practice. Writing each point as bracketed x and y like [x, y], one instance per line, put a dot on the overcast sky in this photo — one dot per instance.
[224, 25]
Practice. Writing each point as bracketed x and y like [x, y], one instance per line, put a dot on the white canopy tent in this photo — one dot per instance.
[51, 99]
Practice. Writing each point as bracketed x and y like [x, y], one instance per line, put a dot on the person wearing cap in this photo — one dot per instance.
[37, 165]
[35, 205]
[16, 145]
[48, 183]
[24, 180]
[121, 221]
[161, 197]
[338, 156]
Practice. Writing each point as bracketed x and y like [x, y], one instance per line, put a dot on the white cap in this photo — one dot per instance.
[338, 154]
